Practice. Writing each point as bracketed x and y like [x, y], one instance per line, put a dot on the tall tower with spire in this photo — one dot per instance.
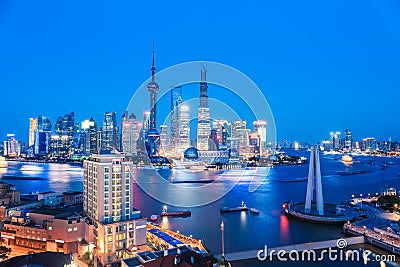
[152, 134]
[203, 119]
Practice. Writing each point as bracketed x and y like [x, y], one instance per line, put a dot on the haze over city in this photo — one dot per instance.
[338, 58]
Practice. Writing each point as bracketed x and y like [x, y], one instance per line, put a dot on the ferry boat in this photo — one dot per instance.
[347, 158]
[3, 162]
[183, 213]
[236, 209]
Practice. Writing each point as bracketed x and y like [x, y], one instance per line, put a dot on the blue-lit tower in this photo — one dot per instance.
[152, 134]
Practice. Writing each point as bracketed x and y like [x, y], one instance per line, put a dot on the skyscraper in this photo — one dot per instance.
[108, 203]
[12, 147]
[42, 136]
[33, 125]
[222, 132]
[260, 127]
[109, 132]
[89, 136]
[184, 127]
[130, 133]
[163, 138]
[176, 100]
[240, 136]
[203, 118]
[63, 139]
[153, 136]
[348, 140]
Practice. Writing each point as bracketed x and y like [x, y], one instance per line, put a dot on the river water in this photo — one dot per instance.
[243, 231]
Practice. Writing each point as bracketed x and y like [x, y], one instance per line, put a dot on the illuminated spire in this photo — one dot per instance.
[153, 68]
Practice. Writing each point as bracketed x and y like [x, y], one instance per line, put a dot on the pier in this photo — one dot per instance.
[252, 254]
[376, 237]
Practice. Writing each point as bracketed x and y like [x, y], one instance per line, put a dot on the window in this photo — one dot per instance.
[127, 193]
[106, 189]
[106, 169]
[126, 199]
[109, 249]
[50, 228]
[127, 175]
[109, 230]
[105, 182]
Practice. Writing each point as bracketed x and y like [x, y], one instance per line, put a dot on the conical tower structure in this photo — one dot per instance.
[314, 184]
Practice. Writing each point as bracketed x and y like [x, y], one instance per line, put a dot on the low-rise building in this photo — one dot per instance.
[73, 197]
[49, 229]
[9, 195]
[50, 198]
[182, 256]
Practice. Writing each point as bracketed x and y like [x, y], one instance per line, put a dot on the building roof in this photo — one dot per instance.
[183, 256]
[45, 259]
[72, 193]
[60, 212]
[44, 193]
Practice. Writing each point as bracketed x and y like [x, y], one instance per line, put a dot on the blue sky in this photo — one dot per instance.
[322, 65]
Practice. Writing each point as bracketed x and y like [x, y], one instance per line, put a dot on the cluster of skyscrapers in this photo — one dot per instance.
[346, 143]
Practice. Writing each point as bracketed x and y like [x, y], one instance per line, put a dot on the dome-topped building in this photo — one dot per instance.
[191, 153]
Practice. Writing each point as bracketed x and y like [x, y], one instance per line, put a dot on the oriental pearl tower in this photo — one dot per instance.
[152, 134]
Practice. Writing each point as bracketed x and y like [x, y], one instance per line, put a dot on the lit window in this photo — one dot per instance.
[50, 228]
[69, 229]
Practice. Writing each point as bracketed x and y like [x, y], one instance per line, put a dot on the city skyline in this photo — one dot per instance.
[347, 58]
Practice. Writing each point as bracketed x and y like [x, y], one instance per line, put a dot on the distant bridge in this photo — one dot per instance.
[252, 254]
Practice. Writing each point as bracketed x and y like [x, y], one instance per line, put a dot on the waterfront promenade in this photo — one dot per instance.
[187, 240]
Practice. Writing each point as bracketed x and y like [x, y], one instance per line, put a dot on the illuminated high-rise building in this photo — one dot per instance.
[176, 100]
[348, 140]
[63, 140]
[260, 127]
[108, 204]
[33, 125]
[222, 127]
[12, 148]
[109, 132]
[40, 135]
[184, 127]
[163, 138]
[130, 133]
[89, 136]
[240, 136]
[203, 118]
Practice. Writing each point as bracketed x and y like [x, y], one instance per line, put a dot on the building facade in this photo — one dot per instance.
[203, 116]
[108, 203]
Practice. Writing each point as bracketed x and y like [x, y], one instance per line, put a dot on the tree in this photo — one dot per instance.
[4, 252]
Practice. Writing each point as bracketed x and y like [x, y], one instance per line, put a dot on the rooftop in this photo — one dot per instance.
[53, 259]
[59, 212]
